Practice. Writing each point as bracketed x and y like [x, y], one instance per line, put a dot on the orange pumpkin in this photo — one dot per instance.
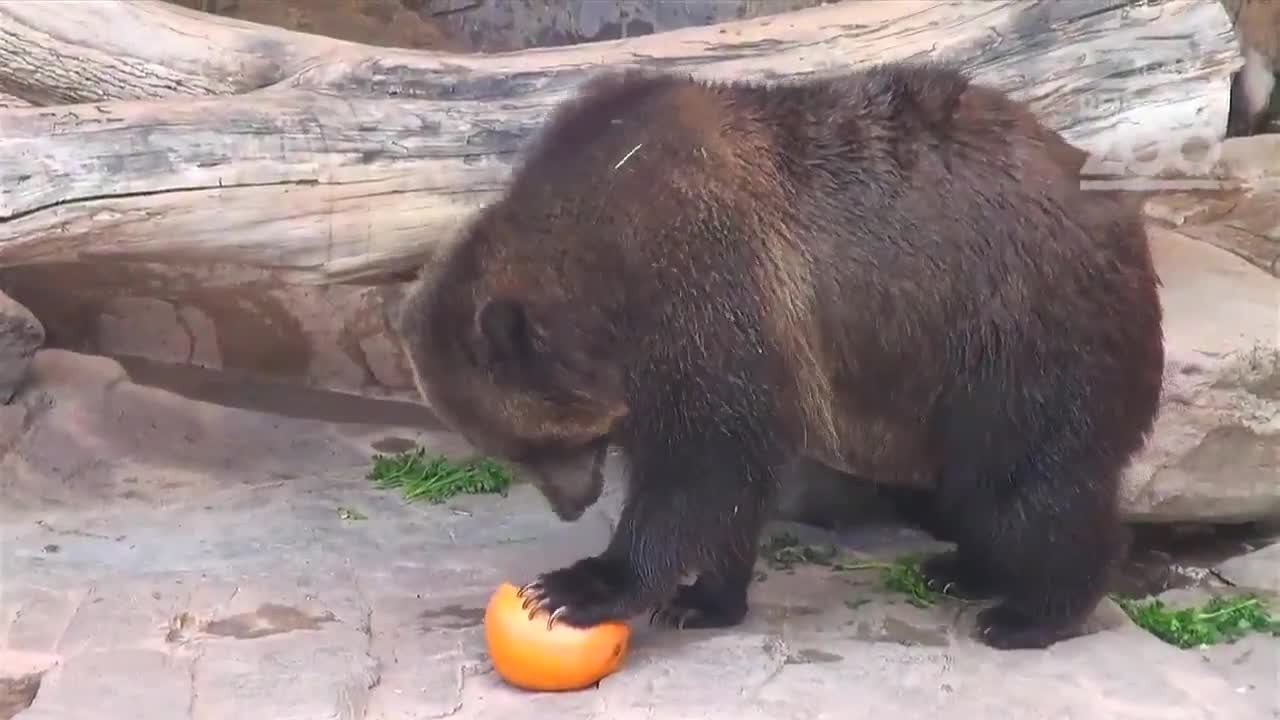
[528, 655]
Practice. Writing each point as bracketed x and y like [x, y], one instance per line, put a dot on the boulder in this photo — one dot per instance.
[1215, 456]
[21, 334]
[1258, 570]
[336, 337]
[1215, 453]
[86, 429]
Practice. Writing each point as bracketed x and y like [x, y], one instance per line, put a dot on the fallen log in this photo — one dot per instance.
[79, 51]
[12, 101]
[325, 161]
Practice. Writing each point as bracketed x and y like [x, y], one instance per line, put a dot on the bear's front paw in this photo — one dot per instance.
[586, 593]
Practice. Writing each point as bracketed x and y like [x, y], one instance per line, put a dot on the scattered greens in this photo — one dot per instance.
[435, 478]
[1220, 620]
[784, 552]
[904, 576]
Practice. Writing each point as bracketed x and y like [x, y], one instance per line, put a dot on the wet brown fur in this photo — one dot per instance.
[893, 272]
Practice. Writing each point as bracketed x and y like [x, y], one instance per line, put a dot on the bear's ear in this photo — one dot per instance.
[509, 332]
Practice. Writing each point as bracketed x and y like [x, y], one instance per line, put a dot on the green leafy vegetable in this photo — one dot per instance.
[784, 551]
[905, 576]
[1220, 620]
[436, 478]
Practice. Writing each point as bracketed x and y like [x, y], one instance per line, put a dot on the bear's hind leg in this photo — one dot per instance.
[955, 572]
[715, 600]
[1048, 535]
[918, 507]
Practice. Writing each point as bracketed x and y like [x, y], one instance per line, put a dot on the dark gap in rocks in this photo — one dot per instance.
[1168, 557]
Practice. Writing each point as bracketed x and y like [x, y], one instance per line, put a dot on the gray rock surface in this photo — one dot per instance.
[223, 582]
[86, 433]
[1215, 453]
[336, 337]
[20, 335]
[1259, 570]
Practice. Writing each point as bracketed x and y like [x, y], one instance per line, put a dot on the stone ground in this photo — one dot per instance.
[169, 555]
[259, 600]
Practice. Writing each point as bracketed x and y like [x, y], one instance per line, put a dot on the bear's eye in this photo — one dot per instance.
[505, 329]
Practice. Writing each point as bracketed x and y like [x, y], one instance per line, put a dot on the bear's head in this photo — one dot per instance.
[507, 354]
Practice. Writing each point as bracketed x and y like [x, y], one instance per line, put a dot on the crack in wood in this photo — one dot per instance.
[20, 214]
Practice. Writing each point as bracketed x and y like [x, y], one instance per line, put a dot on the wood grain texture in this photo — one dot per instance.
[75, 51]
[327, 161]
[12, 101]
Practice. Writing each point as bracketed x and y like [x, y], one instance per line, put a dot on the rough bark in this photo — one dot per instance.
[76, 51]
[334, 161]
[12, 101]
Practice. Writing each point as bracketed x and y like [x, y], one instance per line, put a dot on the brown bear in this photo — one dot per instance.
[894, 272]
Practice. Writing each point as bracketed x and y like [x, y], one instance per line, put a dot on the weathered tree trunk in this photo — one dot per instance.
[12, 101]
[77, 51]
[326, 161]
